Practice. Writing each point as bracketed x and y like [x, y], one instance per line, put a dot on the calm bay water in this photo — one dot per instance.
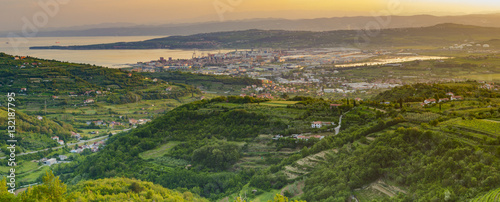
[107, 58]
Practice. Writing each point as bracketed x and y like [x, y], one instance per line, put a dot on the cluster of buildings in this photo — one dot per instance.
[92, 147]
[469, 45]
[52, 161]
[56, 138]
[272, 88]
[489, 86]
[26, 64]
[243, 61]
[135, 122]
[77, 136]
[132, 122]
[434, 101]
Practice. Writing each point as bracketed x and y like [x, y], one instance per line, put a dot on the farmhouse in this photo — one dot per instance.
[430, 101]
[50, 162]
[319, 124]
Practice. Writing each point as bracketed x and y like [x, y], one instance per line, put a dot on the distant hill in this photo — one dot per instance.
[54, 77]
[319, 24]
[434, 36]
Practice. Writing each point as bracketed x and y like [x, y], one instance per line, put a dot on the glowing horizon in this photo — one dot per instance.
[91, 12]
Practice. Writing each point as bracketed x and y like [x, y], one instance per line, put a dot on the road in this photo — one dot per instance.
[54, 148]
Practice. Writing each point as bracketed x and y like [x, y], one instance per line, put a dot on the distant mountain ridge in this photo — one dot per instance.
[318, 24]
[441, 35]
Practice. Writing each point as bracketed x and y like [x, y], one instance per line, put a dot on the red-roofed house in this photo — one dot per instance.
[456, 98]
[317, 124]
[132, 121]
[430, 101]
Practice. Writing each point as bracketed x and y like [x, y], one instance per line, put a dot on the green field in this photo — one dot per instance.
[158, 152]
[278, 103]
[484, 126]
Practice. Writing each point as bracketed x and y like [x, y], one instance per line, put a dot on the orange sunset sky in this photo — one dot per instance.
[88, 12]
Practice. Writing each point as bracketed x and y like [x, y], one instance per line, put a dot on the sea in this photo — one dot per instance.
[106, 58]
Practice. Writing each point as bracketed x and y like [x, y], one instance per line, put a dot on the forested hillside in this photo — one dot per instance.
[110, 189]
[204, 146]
[226, 147]
[34, 134]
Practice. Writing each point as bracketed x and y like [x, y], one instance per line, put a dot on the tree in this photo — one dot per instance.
[281, 198]
[5, 195]
[51, 190]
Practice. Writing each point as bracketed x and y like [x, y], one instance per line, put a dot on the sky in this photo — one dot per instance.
[46, 14]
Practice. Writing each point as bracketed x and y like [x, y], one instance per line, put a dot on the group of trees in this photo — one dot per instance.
[218, 155]
[116, 189]
[420, 92]
[33, 133]
[426, 162]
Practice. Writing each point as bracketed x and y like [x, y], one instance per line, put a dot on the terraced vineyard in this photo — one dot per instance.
[306, 165]
[421, 117]
[486, 127]
[490, 196]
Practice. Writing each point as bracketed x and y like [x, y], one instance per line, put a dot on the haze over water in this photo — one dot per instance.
[107, 58]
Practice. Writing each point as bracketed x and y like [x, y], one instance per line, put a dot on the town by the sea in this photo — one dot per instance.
[106, 58]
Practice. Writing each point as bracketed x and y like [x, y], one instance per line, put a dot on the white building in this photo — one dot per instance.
[317, 124]
[50, 162]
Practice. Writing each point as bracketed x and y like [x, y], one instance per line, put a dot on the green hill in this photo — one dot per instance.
[226, 146]
[32, 133]
[187, 146]
[111, 189]
[50, 76]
